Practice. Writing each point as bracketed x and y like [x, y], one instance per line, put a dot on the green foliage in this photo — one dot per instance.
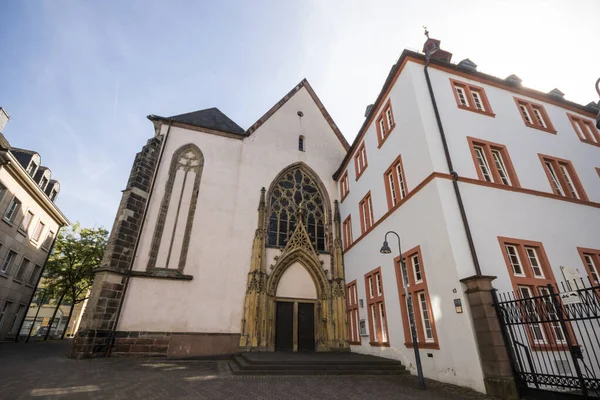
[70, 268]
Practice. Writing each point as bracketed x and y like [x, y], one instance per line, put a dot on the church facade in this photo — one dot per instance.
[269, 238]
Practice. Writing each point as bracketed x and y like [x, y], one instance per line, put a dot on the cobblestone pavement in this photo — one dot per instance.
[42, 371]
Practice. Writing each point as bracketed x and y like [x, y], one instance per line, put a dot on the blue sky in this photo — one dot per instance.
[79, 77]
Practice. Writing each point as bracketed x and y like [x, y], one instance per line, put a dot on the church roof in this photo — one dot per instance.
[210, 118]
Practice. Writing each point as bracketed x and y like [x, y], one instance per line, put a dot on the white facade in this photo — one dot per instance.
[430, 218]
[226, 219]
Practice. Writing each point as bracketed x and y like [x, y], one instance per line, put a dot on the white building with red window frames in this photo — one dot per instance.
[483, 179]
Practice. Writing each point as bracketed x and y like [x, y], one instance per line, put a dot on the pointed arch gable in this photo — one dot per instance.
[188, 159]
[271, 206]
[309, 262]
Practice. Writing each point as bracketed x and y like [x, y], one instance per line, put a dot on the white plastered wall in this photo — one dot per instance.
[226, 219]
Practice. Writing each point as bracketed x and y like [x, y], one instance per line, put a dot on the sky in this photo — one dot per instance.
[78, 78]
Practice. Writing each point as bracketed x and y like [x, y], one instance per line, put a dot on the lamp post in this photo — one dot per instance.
[385, 249]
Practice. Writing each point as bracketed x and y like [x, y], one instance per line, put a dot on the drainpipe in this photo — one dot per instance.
[461, 206]
[111, 338]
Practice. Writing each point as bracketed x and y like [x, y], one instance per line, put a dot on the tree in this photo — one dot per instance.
[70, 268]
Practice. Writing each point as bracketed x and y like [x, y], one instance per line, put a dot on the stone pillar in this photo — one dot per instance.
[100, 315]
[495, 363]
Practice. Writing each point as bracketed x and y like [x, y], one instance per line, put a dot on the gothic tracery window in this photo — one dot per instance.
[294, 189]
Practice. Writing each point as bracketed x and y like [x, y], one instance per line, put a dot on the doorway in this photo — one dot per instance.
[295, 326]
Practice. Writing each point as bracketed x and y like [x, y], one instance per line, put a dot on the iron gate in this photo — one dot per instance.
[553, 339]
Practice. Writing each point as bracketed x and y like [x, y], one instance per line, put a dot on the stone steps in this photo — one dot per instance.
[319, 364]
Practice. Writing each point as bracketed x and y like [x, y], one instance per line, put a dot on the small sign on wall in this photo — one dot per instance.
[570, 298]
[458, 306]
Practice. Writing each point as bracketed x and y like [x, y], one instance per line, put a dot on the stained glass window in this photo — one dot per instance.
[296, 188]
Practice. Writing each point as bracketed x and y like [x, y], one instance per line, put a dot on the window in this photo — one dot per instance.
[16, 319]
[360, 160]
[530, 274]
[418, 300]
[26, 221]
[352, 310]
[12, 209]
[562, 178]
[385, 123]
[38, 231]
[301, 143]
[585, 129]
[344, 186]
[2, 190]
[366, 213]
[296, 187]
[395, 183]
[44, 182]
[4, 311]
[53, 194]
[376, 308]
[471, 97]
[534, 115]
[492, 162]
[48, 242]
[34, 275]
[591, 261]
[23, 267]
[347, 232]
[32, 168]
[8, 261]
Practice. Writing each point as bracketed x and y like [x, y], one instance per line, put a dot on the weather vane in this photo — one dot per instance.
[426, 31]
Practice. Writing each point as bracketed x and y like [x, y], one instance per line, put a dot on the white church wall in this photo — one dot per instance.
[296, 283]
[226, 219]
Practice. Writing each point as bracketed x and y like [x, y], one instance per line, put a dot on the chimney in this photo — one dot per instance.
[368, 110]
[556, 93]
[468, 65]
[432, 47]
[514, 80]
[4, 117]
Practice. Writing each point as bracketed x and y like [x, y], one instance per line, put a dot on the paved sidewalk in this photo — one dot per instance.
[42, 371]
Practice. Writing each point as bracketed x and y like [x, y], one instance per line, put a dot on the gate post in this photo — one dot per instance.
[495, 363]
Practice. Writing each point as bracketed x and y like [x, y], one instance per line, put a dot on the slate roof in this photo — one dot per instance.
[23, 156]
[211, 118]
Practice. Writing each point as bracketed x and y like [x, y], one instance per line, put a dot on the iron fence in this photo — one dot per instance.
[553, 337]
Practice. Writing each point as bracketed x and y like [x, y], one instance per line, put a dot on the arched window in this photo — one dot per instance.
[301, 143]
[293, 189]
[171, 239]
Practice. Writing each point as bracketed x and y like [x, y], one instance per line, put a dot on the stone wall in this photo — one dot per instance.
[100, 316]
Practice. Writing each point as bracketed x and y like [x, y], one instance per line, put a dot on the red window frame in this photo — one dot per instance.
[531, 119]
[559, 177]
[344, 186]
[352, 313]
[360, 160]
[536, 284]
[347, 232]
[383, 125]
[378, 327]
[415, 289]
[366, 213]
[585, 129]
[594, 255]
[396, 189]
[496, 176]
[470, 100]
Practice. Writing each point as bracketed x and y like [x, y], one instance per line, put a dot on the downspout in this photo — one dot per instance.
[461, 206]
[111, 338]
[37, 283]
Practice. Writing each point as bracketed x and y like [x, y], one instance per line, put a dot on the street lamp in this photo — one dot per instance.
[385, 249]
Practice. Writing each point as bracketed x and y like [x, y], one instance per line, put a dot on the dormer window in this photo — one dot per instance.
[53, 194]
[32, 168]
[301, 143]
[44, 182]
